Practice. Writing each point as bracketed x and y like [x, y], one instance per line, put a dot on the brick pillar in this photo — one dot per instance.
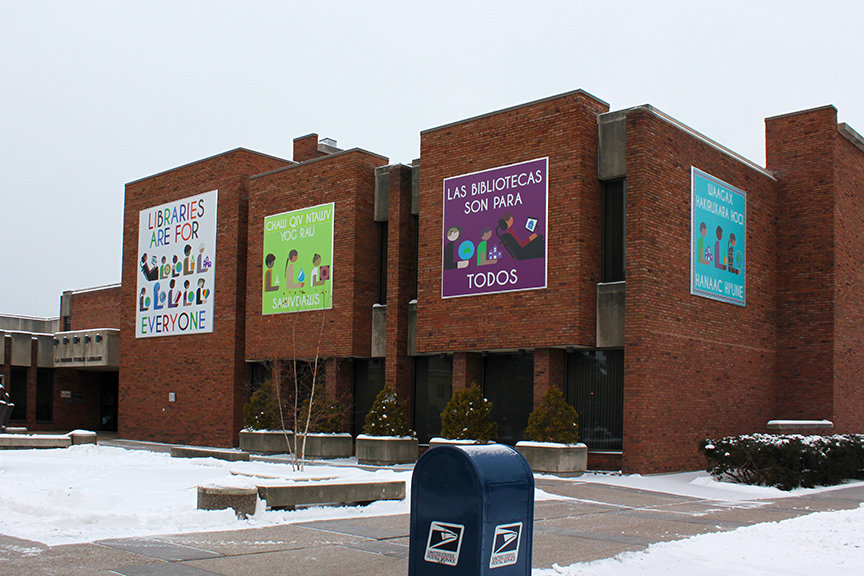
[306, 148]
[401, 275]
[467, 370]
[800, 152]
[548, 372]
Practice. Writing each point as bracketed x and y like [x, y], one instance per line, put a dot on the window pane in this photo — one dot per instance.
[368, 382]
[613, 231]
[433, 388]
[508, 382]
[44, 394]
[18, 393]
[595, 387]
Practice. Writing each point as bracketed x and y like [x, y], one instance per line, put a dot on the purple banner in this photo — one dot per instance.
[495, 227]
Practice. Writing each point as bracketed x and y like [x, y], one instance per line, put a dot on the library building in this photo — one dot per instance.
[670, 288]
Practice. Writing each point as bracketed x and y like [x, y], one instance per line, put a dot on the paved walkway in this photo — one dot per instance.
[600, 521]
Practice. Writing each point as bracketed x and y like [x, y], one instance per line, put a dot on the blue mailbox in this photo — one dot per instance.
[472, 512]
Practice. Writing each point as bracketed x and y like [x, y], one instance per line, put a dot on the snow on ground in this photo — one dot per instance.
[820, 543]
[86, 493]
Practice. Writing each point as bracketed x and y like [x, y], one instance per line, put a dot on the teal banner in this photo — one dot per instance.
[718, 238]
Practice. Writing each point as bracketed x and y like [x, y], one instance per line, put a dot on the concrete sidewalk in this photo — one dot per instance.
[600, 521]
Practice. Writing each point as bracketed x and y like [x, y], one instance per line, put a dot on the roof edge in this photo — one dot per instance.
[208, 158]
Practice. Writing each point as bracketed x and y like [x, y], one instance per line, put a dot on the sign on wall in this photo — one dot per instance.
[495, 226]
[297, 271]
[718, 238]
[176, 267]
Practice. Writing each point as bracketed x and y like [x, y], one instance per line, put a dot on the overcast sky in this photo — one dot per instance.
[95, 94]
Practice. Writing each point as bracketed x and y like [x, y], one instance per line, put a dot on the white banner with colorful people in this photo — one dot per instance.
[176, 257]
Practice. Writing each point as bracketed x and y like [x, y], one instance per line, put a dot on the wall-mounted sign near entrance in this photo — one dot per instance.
[494, 236]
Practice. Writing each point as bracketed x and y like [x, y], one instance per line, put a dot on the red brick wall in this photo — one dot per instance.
[800, 151]
[694, 367]
[848, 413]
[348, 179]
[401, 280]
[206, 371]
[84, 409]
[564, 129]
[95, 308]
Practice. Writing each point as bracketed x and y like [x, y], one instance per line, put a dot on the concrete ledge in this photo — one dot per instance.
[26, 442]
[386, 450]
[16, 430]
[82, 437]
[266, 441]
[296, 494]
[800, 425]
[241, 500]
[563, 460]
[327, 445]
[193, 452]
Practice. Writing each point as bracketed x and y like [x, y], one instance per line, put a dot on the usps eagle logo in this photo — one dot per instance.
[444, 543]
[505, 545]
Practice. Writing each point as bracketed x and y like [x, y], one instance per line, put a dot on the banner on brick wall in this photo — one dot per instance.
[718, 238]
[495, 226]
[176, 267]
[297, 271]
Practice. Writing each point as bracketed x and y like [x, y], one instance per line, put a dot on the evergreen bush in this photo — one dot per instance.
[386, 418]
[786, 461]
[466, 417]
[553, 420]
[261, 412]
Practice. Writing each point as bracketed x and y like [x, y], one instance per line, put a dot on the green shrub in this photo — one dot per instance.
[386, 418]
[786, 461]
[261, 412]
[466, 416]
[553, 420]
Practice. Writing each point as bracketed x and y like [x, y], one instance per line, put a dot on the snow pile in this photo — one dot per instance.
[821, 543]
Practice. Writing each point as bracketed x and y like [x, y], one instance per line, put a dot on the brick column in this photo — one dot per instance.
[401, 275]
[548, 372]
[467, 370]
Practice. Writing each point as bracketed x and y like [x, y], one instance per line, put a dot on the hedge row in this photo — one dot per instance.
[786, 461]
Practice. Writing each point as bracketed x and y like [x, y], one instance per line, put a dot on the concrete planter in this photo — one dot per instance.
[552, 458]
[265, 441]
[386, 450]
[327, 446]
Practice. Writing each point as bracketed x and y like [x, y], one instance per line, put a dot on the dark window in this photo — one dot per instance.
[433, 388]
[108, 400]
[368, 382]
[595, 387]
[18, 393]
[508, 382]
[44, 394]
[415, 229]
[259, 372]
[613, 231]
[382, 263]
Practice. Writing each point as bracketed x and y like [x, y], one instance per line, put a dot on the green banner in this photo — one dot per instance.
[297, 271]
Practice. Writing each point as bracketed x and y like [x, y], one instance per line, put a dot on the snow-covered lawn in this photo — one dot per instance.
[87, 493]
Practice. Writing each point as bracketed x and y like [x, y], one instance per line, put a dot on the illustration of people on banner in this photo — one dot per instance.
[297, 268]
[719, 233]
[494, 233]
[176, 246]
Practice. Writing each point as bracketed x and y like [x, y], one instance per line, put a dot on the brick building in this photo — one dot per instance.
[671, 288]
